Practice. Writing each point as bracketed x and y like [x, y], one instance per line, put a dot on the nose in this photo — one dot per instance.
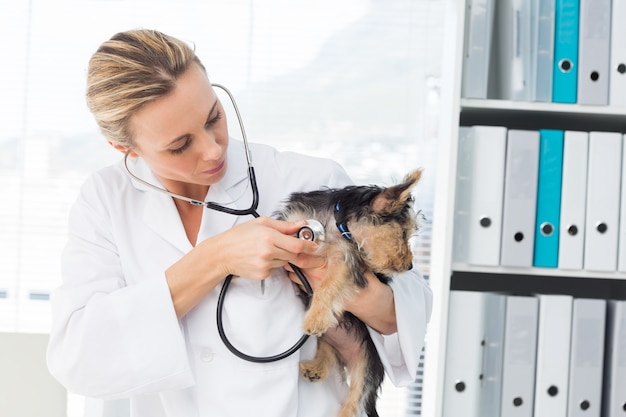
[209, 146]
[410, 266]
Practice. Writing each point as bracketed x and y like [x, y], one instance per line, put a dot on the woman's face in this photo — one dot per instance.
[183, 136]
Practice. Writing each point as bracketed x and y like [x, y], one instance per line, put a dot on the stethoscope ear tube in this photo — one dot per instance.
[236, 212]
[259, 359]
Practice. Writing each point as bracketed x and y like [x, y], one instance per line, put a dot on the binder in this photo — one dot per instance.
[514, 55]
[617, 79]
[547, 223]
[464, 352]
[493, 352]
[621, 239]
[478, 33]
[520, 198]
[542, 53]
[594, 51]
[479, 192]
[603, 190]
[586, 358]
[520, 349]
[553, 348]
[614, 389]
[573, 200]
[565, 70]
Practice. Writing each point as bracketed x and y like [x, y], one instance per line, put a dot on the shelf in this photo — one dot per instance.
[580, 284]
[529, 115]
[538, 271]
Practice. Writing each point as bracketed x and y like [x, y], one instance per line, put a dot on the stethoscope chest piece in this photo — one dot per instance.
[313, 231]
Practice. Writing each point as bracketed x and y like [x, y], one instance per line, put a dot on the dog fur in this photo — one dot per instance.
[367, 228]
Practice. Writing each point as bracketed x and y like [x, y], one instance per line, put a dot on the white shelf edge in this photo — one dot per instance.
[524, 106]
[569, 273]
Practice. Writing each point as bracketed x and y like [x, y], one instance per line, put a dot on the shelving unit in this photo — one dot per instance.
[528, 115]
[446, 276]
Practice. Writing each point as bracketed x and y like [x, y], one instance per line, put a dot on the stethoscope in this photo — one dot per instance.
[252, 211]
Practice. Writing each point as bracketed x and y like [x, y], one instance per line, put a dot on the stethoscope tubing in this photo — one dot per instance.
[222, 296]
[258, 359]
[251, 211]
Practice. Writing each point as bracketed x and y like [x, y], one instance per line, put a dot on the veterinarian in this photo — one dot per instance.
[136, 314]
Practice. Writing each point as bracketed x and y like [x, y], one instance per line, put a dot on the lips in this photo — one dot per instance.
[216, 169]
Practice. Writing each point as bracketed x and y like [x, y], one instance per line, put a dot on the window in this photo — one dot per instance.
[352, 80]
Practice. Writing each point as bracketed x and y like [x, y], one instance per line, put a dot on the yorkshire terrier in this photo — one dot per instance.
[365, 229]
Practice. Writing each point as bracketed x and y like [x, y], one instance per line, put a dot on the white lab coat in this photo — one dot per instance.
[115, 333]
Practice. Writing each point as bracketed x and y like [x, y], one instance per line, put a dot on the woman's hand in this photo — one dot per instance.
[252, 249]
[374, 304]
[313, 266]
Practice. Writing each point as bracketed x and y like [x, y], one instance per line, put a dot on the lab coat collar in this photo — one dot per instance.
[159, 206]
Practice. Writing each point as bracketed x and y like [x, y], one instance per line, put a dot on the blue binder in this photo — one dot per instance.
[546, 248]
[565, 70]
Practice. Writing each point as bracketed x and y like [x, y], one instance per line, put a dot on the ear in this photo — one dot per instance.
[123, 149]
[395, 197]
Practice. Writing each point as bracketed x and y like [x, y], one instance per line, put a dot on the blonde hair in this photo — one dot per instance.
[129, 70]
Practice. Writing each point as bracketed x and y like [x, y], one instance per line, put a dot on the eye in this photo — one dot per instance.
[182, 148]
[213, 120]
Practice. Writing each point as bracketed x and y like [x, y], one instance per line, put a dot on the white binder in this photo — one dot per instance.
[603, 199]
[621, 239]
[573, 198]
[553, 348]
[493, 352]
[514, 49]
[464, 352]
[594, 51]
[520, 198]
[542, 52]
[586, 358]
[614, 389]
[478, 34]
[479, 191]
[617, 80]
[520, 348]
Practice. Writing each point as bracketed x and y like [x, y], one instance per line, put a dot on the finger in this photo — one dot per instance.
[284, 227]
[288, 241]
[307, 261]
[296, 245]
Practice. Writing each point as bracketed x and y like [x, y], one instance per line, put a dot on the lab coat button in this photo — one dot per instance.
[207, 355]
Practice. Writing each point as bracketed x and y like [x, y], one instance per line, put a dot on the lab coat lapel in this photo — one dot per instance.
[230, 192]
[160, 215]
[214, 222]
[157, 210]
[159, 206]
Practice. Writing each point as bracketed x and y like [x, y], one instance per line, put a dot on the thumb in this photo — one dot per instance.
[283, 226]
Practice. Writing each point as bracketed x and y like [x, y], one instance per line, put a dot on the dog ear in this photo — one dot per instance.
[395, 197]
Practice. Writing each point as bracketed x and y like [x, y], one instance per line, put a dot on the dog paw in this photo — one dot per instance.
[312, 371]
[315, 331]
[317, 324]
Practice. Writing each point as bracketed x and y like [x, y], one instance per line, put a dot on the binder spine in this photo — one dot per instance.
[546, 251]
[567, 13]
[544, 49]
[594, 52]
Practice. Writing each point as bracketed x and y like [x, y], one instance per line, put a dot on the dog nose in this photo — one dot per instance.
[410, 266]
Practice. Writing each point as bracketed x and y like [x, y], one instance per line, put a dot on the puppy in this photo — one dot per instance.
[366, 229]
